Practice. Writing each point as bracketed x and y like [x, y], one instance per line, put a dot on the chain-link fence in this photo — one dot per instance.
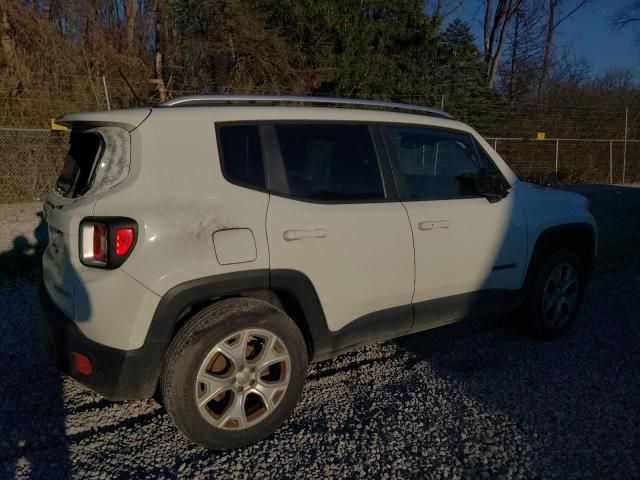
[31, 159]
[564, 160]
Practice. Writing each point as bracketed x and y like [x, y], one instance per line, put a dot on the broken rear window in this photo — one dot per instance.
[80, 164]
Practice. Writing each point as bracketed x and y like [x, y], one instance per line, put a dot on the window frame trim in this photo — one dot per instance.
[393, 158]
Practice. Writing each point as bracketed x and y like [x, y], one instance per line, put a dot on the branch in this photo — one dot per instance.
[487, 22]
[580, 5]
[620, 22]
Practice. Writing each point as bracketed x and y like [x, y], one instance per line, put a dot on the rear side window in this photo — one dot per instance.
[241, 155]
[434, 164]
[80, 164]
[330, 162]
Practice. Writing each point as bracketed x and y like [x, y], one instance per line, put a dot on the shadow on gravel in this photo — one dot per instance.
[33, 443]
[617, 211]
[574, 401]
[23, 260]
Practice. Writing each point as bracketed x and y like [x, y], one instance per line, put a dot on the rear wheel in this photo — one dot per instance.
[556, 296]
[234, 373]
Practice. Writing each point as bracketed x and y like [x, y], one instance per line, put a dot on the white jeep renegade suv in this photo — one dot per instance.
[209, 248]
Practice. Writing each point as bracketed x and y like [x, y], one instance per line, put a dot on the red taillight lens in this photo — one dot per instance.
[124, 240]
[82, 364]
[100, 251]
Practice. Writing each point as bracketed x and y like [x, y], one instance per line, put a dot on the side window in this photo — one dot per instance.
[434, 164]
[241, 155]
[485, 159]
[330, 162]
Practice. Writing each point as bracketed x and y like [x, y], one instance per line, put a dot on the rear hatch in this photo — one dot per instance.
[98, 159]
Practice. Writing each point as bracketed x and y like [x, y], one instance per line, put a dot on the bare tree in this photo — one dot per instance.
[7, 41]
[497, 22]
[525, 48]
[131, 11]
[443, 8]
[6, 37]
[160, 30]
[555, 17]
[46, 9]
[627, 16]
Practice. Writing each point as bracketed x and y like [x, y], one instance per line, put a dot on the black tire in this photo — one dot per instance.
[190, 347]
[534, 320]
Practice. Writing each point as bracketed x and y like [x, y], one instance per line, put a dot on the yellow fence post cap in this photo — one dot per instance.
[57, 127]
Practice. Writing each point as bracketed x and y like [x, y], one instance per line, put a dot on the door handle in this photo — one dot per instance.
[304, 233]
[433, 224]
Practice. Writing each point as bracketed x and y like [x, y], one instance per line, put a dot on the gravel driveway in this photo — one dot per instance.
[466, 401]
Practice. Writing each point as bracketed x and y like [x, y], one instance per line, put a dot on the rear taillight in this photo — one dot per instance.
[124, 240]
[106, 242]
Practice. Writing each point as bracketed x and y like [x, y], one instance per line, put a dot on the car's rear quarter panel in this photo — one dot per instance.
[179, 200]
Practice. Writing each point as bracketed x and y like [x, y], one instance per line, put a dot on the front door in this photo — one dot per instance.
[465, 246]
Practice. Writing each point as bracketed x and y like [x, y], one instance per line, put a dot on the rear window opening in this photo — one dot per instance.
[78, 172]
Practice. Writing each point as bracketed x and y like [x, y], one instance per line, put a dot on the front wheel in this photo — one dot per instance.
[556, 296]
[234, 373]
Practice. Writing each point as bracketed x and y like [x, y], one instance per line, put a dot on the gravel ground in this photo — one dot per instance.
[466, 401]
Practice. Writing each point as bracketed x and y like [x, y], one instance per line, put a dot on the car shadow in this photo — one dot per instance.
[567, 398]
[32, 414]
[617, 211]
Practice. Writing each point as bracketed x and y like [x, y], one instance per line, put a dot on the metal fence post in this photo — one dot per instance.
[624, 152]
[106, 92]
[610, 162]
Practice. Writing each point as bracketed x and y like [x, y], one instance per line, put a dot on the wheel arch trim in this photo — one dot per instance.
[278, 287]
[182, 297]
[581, 235]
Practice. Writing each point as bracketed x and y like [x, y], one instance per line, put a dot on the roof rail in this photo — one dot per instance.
[204, 100]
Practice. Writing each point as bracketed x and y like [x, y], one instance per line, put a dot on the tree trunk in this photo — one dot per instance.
[162, 90]
[6, 38]
[160, 42]
[514, 57]
[495, 34]
[131, 10]
[487, 30]
[46, 10]
[548, 46]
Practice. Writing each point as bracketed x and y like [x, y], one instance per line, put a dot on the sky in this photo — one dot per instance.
[587, 34]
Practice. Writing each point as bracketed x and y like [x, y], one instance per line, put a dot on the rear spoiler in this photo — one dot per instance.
[129, 119]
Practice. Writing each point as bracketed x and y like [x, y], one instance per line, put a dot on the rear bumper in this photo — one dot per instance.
[116, 374]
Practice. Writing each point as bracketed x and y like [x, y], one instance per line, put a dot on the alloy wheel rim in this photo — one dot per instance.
[242, 379]
[560, 295]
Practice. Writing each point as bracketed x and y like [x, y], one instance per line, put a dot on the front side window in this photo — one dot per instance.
[241, 155]
[431, 164]
[330, 162]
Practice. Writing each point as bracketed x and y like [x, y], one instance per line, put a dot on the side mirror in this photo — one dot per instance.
[491, 184]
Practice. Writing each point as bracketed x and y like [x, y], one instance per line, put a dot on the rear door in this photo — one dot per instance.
[468, 250]
[331, 217]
